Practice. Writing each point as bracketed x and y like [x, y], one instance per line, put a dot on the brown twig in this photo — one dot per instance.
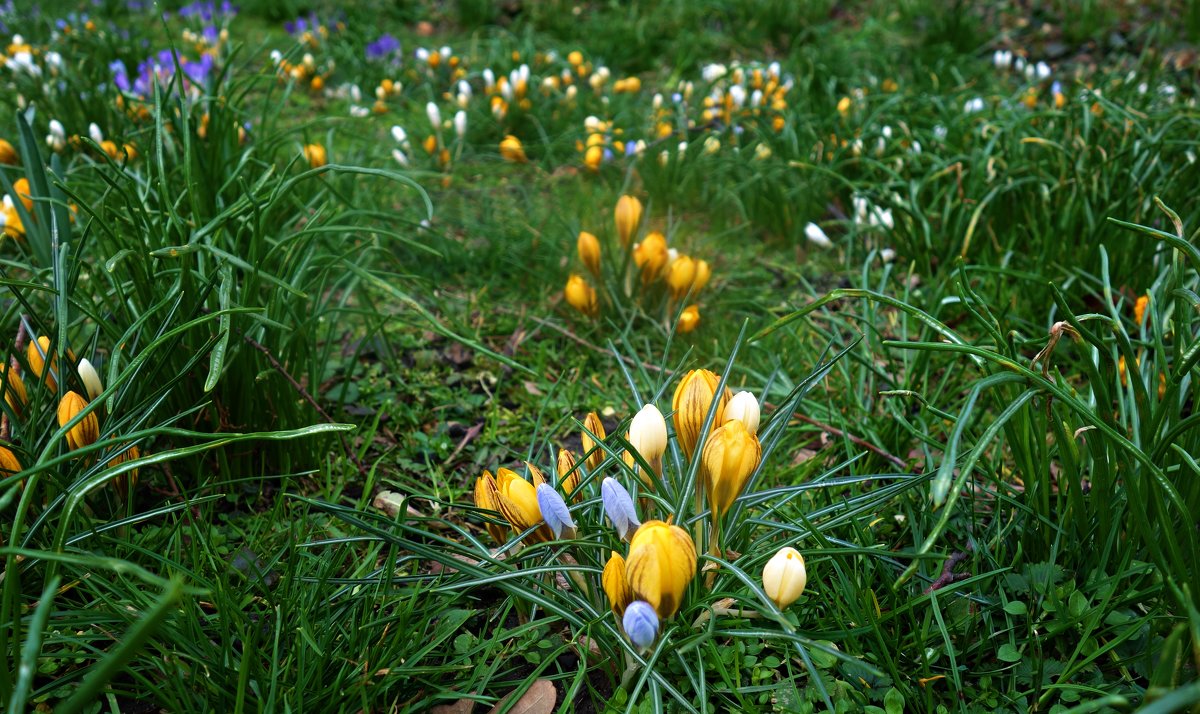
[853, 439]
[948, 575]
[306, 396]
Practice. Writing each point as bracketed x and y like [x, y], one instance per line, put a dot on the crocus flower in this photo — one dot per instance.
[460, 123]
[688, 319]
[315, 155]
[691, 403]
[14, 388]
[592, 426]
[511, 150]
[434, 115]
[581, 296]
[589, 252]
[743, 407]
[648, 435]
[681, 276]
[568, 474]
[9, 465]
[618, 505]
[90, 378]
[36, 354]
[87, 431]
[616, 584]
[627, 215]
[784, 577]
[640, 623]
[817, 236]
[661, 564]
[730, 455]
[554, 511]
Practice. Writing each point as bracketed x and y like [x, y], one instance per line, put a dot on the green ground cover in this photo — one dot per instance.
[299, 313]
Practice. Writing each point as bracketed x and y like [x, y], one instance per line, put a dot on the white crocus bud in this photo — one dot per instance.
[434, 114]
[817, 236]
[460, 123]
[648, 435]
[784, 577]
[743, 407]
[90, 378]
[400, 157]
[95, 133]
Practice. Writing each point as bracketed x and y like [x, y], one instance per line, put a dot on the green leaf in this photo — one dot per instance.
[893, 702]
[1016, 607]
[1008, 653]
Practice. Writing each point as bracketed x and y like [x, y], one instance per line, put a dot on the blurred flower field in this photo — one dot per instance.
[715, 356]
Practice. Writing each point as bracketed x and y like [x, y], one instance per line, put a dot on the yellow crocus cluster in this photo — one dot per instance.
[515, 499]
[682, 275]
[46, 373]
[660, 566]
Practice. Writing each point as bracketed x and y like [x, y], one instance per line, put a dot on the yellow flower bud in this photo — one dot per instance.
[14, 389]
[568, 474]
[21, 189]
[593, 157]
[315, 155]
[37, 353]
[581, 296]
[1139, 308]
[661, 564]
[87, 431]
[592, 423]
[486, 498]
[652, 256]
[14, 227]
[689, 318]
[691, 402]
[628, 215]
[616, 584]
[681, 275]
[518, 502]
[784, 577]
[8, 155]
[730, 455]
[511, 149]
[9, 464]
[126, 482]
[589, 252]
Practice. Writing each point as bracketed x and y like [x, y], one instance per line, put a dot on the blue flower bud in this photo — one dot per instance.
[554, 511]
[618, 504]
[641, 623]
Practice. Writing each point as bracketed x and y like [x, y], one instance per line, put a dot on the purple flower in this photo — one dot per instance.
[383, 47]
[554, 511]
[120, 75]
[640, 623]
[618, 504]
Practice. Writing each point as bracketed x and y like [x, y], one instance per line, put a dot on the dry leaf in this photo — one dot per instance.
[532, 388]
[462, 706]
[539, 699]
[390, 502]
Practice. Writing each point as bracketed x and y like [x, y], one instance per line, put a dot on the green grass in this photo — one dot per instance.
[988, 462]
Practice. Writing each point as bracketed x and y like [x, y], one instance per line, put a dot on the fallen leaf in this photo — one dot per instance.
[390, 502]
[538, 699]
[532, 388]
[462, 706]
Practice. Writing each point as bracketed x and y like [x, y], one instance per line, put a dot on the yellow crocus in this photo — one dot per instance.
[8, 155]
[681, 276]
[37, 353]
[512, 150]
[731, 454]
[616, 584]
[589, 252]
[688, 319]
[84, 433]
[592, 423]
[518, 502]
[651, 256]
[581, 296]
[486, 497]
[316, 155]
[1139, 308]
[628, 214]
[14, 389]
[126, 482]
[661, 564]
[568, 474]
[691, 402]
[703, 273]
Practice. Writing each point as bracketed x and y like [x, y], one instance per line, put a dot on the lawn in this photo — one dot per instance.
[605, 357]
